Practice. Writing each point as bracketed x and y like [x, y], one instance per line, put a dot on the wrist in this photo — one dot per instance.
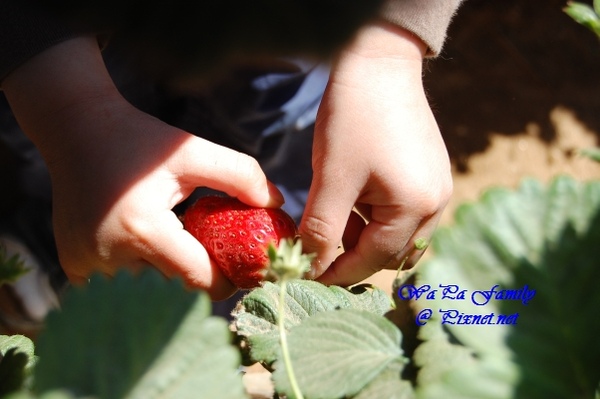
[381, 39]
[384, 59]
[59, 94]
[58, 82]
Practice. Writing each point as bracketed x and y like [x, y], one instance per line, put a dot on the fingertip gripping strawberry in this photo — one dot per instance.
[237, 236]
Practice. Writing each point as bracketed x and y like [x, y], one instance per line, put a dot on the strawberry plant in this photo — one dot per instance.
[539, 238]
[506, 308]
[16, 362]
[11, 267]
[136, 337]
[539, 242]
[585, 15]
[590, 18]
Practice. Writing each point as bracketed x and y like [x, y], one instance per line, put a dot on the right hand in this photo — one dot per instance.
[378, 149]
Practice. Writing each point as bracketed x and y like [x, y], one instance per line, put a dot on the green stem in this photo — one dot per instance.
[401, 267]
[284, 346]
[420, 244]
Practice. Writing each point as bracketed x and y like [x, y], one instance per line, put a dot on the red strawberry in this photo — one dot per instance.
[236, 236]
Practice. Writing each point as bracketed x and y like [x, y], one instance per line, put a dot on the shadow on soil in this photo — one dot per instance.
[507, 64]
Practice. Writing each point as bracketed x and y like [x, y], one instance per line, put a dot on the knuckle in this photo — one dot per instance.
[431, 199]
[248, 169]
[317, 232]
[134, 234]
[371, 265]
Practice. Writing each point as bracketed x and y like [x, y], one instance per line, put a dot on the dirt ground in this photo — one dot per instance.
[516, 93]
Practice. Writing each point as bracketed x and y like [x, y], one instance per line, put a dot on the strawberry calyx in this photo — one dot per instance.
[287, 261]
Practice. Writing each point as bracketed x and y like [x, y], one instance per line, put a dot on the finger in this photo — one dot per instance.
[202, 163]
[394, 250]
[324, 221]
[175, 252]
[354, 228]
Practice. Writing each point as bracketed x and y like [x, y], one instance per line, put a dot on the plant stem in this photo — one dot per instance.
[283, 340]
[401, 267]
[420, 244]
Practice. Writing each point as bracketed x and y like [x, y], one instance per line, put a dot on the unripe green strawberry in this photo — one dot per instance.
[237, 236]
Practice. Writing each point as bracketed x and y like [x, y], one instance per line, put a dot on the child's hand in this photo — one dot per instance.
[117, 172]
[115, 188]
[377, 147]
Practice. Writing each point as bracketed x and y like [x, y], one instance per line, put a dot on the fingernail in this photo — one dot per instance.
[315, 266]
[276, 198]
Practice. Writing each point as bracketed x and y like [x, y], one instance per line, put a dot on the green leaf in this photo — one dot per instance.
[12, 366]
[388, 385]
[11, 268]
[451, 370]
[335, 354]
[59, 394]
[17, 360]
[585, 15]
[257, 314]
[540, 243]
[137, 337]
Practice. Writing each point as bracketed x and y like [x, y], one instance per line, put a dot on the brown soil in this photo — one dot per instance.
[517, 93]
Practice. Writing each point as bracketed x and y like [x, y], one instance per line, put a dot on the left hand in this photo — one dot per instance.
[118, 172]
[378, 149]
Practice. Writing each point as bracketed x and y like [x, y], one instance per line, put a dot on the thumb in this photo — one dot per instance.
[203, 163]
[177, 252]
